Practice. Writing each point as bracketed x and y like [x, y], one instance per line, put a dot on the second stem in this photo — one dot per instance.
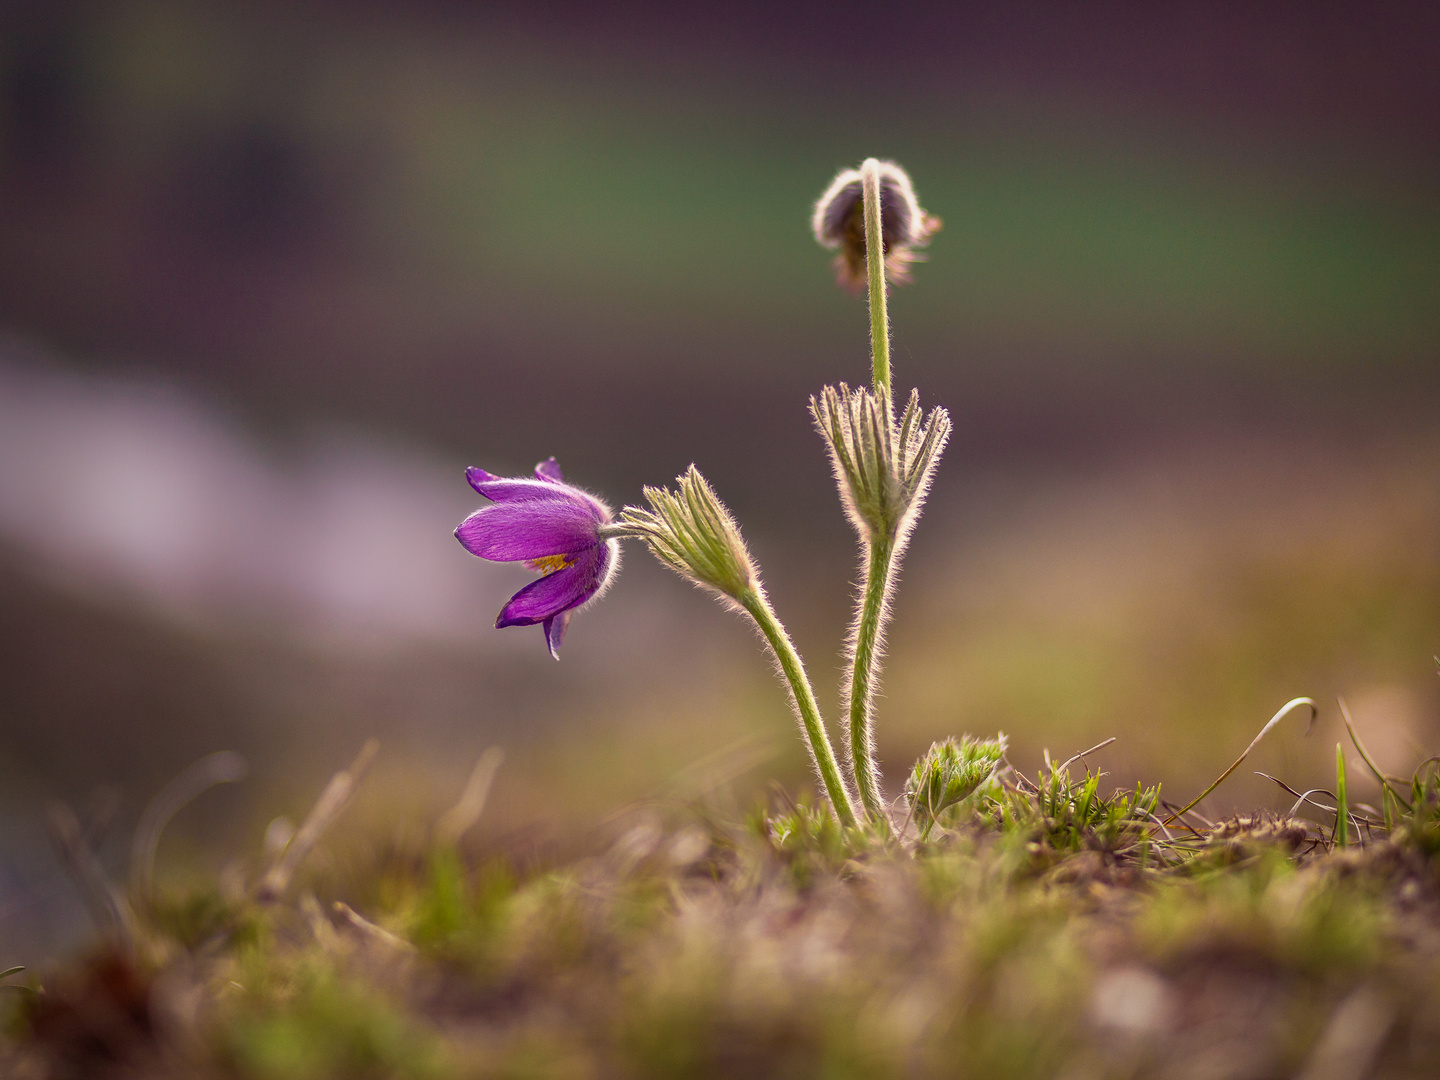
[793, 670]
[865, 666]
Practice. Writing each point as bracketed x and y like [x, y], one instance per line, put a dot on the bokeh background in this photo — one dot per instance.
[272, 274]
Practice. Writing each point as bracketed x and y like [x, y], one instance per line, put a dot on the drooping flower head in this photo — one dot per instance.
[552, 527]
[839, 222]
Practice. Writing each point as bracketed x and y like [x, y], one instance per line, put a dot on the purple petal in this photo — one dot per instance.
[511, 489]
[559, 592]
[532, 529]
[549, 469]
[555, 628]
[478, 476]
[516, 489]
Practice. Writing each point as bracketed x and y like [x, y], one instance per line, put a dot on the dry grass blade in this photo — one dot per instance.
[321, 927]
[369, 930]
[783, 797]
[1081, 755]
[909, 816]
[456, 821]
[109, 909]
[1024, 783]
[1304, 799]
[224, 767]
[22, 988]
[1178, 817]
[1169, 838]
[721, 767]
[1277, 780]
[1285, 711]
[327, 808]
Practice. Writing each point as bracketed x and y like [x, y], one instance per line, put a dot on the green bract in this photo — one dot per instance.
[692, 532]
[882, 472]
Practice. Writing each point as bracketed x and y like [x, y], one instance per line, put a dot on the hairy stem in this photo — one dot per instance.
[865, 661]
[880, 549]
[821, 753]
[875, 272]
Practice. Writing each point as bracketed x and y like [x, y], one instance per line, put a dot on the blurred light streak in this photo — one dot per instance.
[113, 484]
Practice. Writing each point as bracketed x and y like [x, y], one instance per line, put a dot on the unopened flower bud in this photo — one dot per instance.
[692, 532]
[839, 223]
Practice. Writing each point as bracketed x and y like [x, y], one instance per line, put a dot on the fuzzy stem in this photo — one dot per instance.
[865, 661]
[875, 273]
[880, 550]
[821, 753]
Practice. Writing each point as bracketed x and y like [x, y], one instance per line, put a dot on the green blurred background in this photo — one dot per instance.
[272, 274]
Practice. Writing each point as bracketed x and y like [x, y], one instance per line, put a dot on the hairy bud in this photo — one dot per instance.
[691, 531]
[839, 223]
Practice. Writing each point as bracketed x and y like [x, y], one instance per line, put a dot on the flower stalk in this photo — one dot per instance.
[692, 532]
[879, 548]
[883, 470]
[803, 698]
[875, 272]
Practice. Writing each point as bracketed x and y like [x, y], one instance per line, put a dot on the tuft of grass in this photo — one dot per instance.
[948, 773]
[1034, 926]
[309, 1021]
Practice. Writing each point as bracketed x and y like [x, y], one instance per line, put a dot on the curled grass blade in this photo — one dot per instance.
[327, 808]
[1285, 711]
[1305, 800]
[222, 767]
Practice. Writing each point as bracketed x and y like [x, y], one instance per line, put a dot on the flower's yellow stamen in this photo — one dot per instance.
[549, 564]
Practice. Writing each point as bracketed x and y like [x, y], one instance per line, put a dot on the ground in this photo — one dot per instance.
[1040, 929]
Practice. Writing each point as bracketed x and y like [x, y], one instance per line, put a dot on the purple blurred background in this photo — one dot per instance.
[272, 274]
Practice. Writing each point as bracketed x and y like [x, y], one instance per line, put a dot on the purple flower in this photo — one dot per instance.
[552, 527]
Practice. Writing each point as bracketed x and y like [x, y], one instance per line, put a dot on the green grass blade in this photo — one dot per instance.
[1360, 748]
[1342, 802]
